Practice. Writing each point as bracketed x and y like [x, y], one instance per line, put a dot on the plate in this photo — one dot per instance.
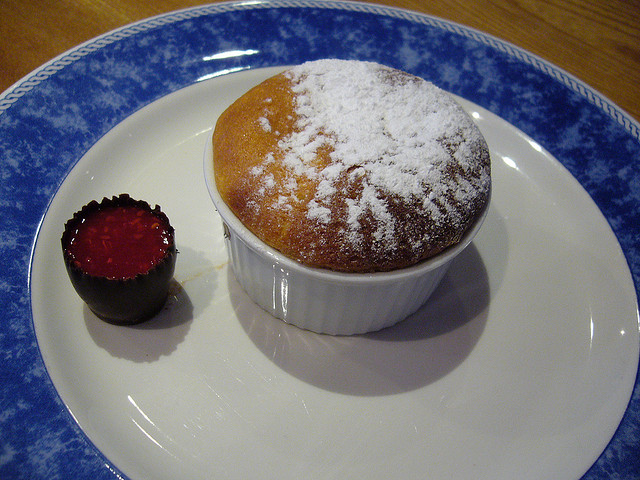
[528, 375]
[528, 337]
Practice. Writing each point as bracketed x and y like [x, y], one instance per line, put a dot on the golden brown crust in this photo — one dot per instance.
[251, 174]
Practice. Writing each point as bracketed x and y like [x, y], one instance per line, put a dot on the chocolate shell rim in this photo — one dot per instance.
[124, 199]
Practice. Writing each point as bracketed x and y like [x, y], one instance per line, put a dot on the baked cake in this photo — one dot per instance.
[351, 166]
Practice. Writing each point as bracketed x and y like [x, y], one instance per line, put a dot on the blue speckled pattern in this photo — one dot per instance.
[51, 118]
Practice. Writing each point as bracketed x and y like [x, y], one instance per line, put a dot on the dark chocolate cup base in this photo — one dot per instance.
[127, 301]
[130, 320]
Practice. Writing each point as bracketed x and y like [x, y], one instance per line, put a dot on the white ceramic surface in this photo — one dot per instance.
[520, 367]
[320, 300]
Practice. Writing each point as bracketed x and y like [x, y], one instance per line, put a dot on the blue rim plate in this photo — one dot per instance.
[49, 119]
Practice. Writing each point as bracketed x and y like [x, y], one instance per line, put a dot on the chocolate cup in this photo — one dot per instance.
[121, 301]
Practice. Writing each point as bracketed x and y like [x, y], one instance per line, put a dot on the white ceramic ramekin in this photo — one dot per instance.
[320, 300]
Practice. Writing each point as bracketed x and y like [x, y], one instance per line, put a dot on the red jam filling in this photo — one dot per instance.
[119, 242]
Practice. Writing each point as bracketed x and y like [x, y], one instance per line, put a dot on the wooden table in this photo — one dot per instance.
[598, 42]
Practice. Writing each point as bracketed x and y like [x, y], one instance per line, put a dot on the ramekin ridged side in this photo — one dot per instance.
[327, 303]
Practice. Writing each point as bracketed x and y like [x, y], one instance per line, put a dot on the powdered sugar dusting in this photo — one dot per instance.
[394, 135]
[265, 124]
